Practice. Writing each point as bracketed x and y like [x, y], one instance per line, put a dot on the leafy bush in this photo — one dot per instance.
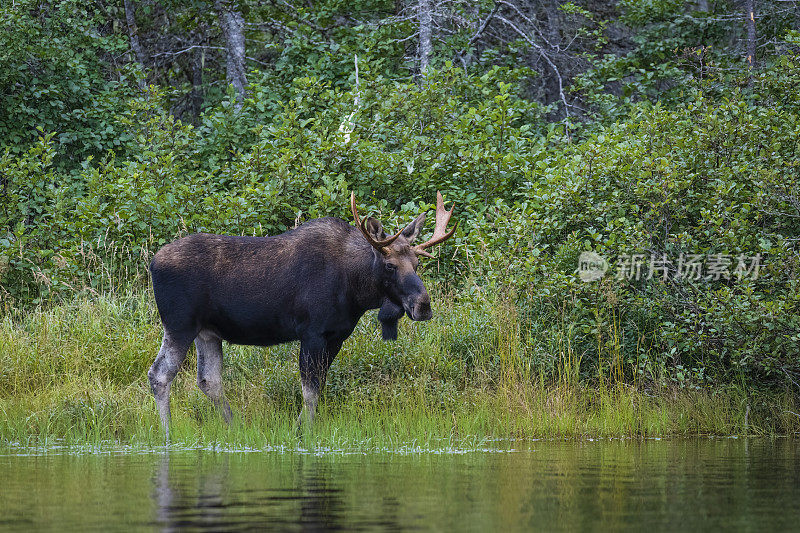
[709, 177]
[54, 79]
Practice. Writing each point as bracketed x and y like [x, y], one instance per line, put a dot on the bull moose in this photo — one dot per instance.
[312, 283]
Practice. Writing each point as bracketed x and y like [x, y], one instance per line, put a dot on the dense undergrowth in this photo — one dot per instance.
[76, 373]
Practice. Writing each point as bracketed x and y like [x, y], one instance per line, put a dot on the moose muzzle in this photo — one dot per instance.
[420, 309]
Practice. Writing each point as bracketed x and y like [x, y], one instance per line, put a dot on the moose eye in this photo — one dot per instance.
[391, 267]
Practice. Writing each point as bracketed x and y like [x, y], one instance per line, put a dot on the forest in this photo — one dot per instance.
[625, 175]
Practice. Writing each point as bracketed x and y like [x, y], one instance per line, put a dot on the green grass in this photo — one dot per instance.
[76, 374]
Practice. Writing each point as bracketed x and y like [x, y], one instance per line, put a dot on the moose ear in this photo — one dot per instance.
[412, 230]
[374, 228]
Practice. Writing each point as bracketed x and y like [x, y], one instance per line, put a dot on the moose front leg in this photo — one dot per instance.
[389, 314]
[316, 356]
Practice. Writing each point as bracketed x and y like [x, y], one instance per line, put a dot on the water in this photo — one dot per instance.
[706, 484]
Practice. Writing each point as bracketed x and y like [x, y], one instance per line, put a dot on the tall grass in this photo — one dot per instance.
[76, 373]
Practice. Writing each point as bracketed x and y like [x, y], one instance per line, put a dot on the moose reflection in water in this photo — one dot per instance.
[206, 495]
[312, 284]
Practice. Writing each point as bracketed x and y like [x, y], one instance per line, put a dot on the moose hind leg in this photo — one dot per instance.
[163, 371]
[209, 371]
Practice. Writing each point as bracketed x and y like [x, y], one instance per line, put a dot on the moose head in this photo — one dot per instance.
[398, 257]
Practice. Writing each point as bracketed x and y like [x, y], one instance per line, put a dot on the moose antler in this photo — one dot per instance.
[377, 244]
[439, 233]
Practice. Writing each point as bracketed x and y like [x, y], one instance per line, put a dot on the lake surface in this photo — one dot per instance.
[699, 484]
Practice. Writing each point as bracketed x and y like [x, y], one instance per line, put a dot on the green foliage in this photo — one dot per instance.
[232, 174]
[712, 176]
[54, 78]
[675, 44]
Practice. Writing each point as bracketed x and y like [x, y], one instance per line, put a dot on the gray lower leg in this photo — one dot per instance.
[316, 355]
[310, 399]
[209, 371]
[161, 374]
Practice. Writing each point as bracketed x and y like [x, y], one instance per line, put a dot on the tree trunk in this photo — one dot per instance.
[232, 23]
[425, 34]
[750, 21]
[197, 82]
[553, 22]
[133, 33]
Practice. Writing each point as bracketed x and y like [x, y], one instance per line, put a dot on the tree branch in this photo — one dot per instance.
[549, 61]
[481, 27]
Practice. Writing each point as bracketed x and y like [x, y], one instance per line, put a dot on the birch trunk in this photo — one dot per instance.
[750, 14]
[425, 34]
[232, 23]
